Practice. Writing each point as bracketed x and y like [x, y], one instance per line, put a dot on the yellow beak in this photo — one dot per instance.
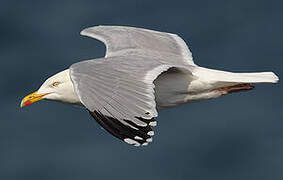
[29, 99]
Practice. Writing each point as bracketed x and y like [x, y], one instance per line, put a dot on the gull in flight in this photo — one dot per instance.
[142, 71]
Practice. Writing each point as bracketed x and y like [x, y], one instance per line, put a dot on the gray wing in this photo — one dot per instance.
[124, 41]
[119, 94]
[118, 90]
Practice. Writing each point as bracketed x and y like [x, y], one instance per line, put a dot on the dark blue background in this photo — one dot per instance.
[238, 136]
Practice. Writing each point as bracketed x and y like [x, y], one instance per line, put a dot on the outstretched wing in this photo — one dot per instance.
[123, 41]
[119, 94]
[118, 90]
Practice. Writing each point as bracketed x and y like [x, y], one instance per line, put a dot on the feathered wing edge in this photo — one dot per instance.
[134, 134]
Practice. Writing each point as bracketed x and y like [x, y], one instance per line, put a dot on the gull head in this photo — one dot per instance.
[58, 87]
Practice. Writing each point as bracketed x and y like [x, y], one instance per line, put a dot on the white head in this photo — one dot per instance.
[58, 87]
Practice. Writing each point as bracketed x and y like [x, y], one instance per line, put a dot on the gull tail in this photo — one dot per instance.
[224, 76]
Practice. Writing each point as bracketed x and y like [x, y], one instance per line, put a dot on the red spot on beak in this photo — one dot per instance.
[27, 103]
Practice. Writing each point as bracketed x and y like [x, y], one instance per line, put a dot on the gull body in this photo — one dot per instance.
[143, 70]
[172, 88]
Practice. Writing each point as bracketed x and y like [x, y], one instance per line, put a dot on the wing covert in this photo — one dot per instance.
[124, 41]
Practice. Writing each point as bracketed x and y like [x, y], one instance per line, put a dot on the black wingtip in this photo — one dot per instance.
[132, 133]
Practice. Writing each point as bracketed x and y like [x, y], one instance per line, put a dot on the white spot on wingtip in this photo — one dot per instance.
[142, 125]
[145, 144]
[138, 138]
[151, 133]
[154, 123]
[131, 141]
[149, 140]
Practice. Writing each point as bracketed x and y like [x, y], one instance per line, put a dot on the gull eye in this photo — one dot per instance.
[55, 84]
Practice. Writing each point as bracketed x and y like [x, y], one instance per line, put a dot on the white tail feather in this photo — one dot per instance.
[224, 76]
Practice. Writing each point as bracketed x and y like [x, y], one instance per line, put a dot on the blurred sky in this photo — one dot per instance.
[238, 136]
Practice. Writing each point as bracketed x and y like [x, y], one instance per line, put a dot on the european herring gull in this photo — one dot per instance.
[142, 71]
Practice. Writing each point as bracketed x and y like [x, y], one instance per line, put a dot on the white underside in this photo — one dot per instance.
[173, 88]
